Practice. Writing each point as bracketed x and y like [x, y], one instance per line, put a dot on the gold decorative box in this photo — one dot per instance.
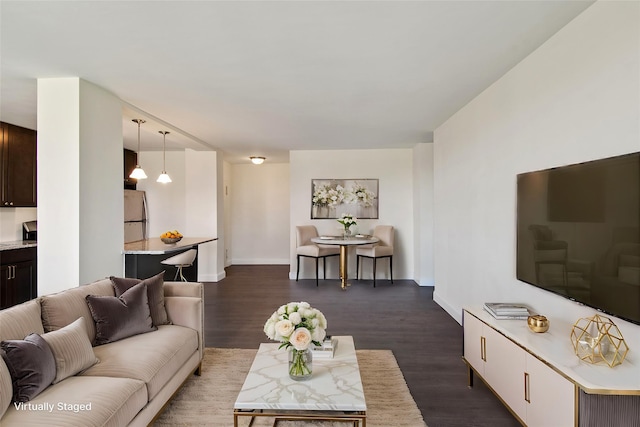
[538, 323]
[598, 340]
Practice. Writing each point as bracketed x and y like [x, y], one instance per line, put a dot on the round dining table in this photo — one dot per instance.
[344, 242]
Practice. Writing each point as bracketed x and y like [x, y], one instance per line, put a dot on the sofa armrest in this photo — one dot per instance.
[184, 289]
[184, 303]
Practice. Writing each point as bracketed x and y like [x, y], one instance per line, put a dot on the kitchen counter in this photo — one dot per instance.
[144, 258]
[155, 246]
[18, 244]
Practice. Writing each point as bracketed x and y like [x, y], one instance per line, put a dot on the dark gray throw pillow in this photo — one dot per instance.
[121, 317]
[31, 365]
[155, 294]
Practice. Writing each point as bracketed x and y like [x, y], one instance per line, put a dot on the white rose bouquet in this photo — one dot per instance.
[347, 220]
[297, 325]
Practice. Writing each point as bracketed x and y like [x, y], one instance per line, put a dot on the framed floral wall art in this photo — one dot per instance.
[330, 198]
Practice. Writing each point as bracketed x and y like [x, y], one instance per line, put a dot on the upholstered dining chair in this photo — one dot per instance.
[306, 248]
[382, 249]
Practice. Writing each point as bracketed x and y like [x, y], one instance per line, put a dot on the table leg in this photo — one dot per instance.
[343, 266]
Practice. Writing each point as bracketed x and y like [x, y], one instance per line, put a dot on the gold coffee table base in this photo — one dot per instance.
[357, 419]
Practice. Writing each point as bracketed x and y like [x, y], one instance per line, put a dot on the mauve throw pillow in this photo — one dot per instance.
[155, 294]
[31, 365]
[121, 317]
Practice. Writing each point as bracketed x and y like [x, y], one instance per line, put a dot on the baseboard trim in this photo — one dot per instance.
[254, 261]
[453, 312]
[212, 277]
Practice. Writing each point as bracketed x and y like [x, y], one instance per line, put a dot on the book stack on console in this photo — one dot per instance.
[502, 310]
[326, 350]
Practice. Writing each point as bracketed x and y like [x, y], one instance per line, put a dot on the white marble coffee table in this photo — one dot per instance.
[333, 393]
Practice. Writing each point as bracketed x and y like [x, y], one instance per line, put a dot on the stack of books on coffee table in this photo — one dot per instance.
[503, 310]
[326, 350]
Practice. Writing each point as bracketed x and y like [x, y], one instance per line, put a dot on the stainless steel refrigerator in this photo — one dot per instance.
[135, 216]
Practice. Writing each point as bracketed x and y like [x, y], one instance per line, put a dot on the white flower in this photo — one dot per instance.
[323, 321]
[300, 339]
[270, 329]
[360, 194]
[318, 334]
[283, 325]
[347, 220]
[295, 318]
[284, 328]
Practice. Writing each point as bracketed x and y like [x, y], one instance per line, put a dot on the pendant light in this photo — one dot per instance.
[164, 178]
[138, 172]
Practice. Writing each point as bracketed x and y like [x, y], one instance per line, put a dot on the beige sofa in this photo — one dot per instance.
[134, 377]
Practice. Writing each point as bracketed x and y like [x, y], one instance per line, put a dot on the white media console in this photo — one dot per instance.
[541, 380]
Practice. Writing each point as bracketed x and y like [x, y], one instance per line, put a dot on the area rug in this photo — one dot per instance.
[208, 400]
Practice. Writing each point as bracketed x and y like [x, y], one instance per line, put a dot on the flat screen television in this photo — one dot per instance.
[578, 233]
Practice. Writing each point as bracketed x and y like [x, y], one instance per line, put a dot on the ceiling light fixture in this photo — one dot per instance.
[257, 160]
[138, 172]
[164, 178]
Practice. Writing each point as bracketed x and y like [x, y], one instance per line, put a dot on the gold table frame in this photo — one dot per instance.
[266, 393]
[344, 243]
[356, 418]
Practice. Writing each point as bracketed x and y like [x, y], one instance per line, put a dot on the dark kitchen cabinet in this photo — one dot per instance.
[130, 162]
[18, 271]
[18, 147]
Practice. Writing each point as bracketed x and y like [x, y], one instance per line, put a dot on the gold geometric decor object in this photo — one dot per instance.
[598, 340]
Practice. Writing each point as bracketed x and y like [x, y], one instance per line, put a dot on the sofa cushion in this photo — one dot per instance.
[31, 366]
[71, 349]
[155, 294]
[21, 320]
[121, 317]
[63, 308]
[6, 388]
[153, 358]
[114, 402]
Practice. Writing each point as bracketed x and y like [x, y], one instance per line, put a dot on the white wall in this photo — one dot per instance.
[166, 202]
[575, 99]
[188, 204]
[80, 203]
[393, 169]
[259, 213]
[228, 236]
[203, 173]
[11, 220]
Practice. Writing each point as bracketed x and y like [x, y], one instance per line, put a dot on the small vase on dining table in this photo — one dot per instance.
[346, 232]
[300, 364]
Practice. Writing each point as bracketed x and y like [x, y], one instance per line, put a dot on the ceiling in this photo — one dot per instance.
[266, 77]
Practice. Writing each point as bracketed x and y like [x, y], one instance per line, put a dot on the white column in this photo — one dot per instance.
[423, 214]
[204, 210]
[80, 173]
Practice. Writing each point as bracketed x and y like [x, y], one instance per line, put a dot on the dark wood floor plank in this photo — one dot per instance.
[402, 317]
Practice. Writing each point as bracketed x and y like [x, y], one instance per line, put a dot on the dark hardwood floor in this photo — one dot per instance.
[402, 317]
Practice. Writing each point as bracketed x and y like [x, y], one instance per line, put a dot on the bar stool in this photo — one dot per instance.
[180, 261]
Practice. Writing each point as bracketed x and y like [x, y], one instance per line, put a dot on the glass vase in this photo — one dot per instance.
[300, 364]
[346, 232]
